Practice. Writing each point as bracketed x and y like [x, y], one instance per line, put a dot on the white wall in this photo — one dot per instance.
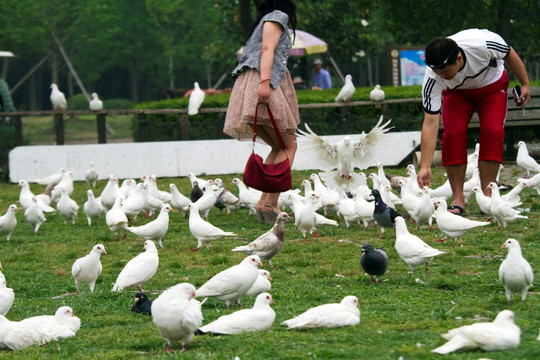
[174, 158]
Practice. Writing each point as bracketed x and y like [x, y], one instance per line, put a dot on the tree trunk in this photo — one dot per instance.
[246, 21]
[505, 14]
[134, 82]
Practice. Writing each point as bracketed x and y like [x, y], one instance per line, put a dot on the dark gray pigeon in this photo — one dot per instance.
[373, 261]
[196, 192]
[383, 214]
[142, 304]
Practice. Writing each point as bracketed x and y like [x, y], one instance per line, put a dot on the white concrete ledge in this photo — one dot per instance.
[170, 159]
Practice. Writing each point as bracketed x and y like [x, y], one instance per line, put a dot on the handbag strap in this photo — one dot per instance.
[281, 143]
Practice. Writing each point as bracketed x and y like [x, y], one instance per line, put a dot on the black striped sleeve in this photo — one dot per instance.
[426, 96]
[502, 48]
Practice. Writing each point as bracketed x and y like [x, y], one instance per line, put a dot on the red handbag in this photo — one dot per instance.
[269, 178]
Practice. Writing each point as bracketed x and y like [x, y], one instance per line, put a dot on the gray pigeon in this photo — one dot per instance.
[196, 192]
[268, 244]
[373, 261]
[383, 214]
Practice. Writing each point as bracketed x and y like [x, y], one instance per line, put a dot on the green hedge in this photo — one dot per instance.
[325, 121]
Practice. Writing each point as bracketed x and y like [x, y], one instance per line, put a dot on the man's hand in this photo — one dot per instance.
[424, 177]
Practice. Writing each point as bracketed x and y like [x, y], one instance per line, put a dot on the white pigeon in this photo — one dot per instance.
[305, 216]
[525, 161]
[268, 244]
[501, 210]
[472, 161]
[225, 198]
[202, 230]
[231, 284]
[364, 209]
[67, 207]
[377, 96]
[411, 249]
[412, 180]
[248, 197]
[8, 221]
[52, 179]
[92, 208]
[515, 273]
[346, 209]
[95, 104]
[206, 202]
[151, 203]
[452, 225]
[156, 229]
[17, 336]
[177, 314]
[88, 268]
[444, 191]
[1, 274]
[424, 210]
[62, 325]
[347, 91]
[138, 270]
[501, 334]
[345, 313]
[513, 195]
[134, 204]
[109, 193]
[329, 198]
[533, 182]
[262, 284]
[178, 200]
[91, 175]
[6, 297]
[66, 182]
[26, 195]
[483, 201]
[259, 318]
[34, 215]
[409, 200]
[196, 98]
[346, 154]
[45, 197]
[58, 99]
[127, 188]
[116, 219]
[153, 190]
[469, 184]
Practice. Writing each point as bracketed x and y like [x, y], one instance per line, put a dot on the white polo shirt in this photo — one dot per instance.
[483, 52]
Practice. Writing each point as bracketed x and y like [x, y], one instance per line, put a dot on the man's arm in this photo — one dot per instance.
[518, 69]
[428, 142]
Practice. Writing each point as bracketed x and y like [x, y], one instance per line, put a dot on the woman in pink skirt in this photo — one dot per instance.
[262, 78]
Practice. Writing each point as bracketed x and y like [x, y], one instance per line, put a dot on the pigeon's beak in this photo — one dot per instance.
[259, 263]
[269, 277]
[503, 245]
[72, 314]
[192, 295]
[273, 302]
[104, 251]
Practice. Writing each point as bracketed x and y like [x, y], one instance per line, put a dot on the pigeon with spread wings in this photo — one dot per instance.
[345, 154]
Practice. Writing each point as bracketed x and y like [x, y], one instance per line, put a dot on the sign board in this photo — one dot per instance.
[406, 65]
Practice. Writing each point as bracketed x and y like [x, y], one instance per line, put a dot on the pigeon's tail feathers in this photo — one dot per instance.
[452, 345]
[245, 249]
[334, 180]
[116, 287]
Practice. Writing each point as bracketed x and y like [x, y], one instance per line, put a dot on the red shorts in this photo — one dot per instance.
[490, 102]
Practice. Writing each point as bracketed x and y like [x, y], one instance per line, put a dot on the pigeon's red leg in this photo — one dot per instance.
[194, 249]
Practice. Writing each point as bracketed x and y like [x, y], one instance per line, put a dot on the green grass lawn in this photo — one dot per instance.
[403, 315]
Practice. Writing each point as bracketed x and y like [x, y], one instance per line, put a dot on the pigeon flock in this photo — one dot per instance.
[341, 191]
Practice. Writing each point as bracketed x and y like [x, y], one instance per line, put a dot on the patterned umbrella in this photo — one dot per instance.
[304, 44]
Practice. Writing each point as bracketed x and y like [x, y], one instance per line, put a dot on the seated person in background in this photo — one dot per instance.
[322, 79]
[299, 83]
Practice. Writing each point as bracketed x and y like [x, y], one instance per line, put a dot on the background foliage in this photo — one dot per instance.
[136, 49]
